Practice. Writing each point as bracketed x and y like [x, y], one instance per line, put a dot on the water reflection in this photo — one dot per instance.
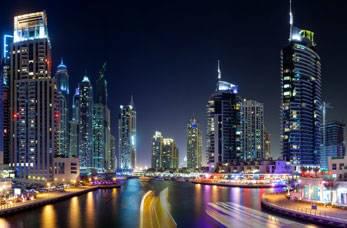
[90, 210]
[197, 198]
[48, 216]
[74, 213]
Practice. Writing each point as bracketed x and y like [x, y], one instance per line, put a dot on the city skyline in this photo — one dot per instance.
[121, 72]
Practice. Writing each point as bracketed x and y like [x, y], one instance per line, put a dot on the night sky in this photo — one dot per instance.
[165, 54]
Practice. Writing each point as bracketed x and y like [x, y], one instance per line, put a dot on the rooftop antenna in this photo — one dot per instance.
[291, 20]
[219, 71]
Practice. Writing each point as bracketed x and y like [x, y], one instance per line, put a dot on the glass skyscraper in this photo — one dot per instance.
[62, 80]
[300, 98]
[194, 144]
[85, 128]
[252, 130]
[223, 124]
[127, 137]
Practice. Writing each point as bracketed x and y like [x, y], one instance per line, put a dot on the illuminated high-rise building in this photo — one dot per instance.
[5, 102]
[223, 124]
[157, 148]
[85, 127]
[74, 125]
[127, 136]
[300, 98]
[62, 79]
[252, 130]
[102, 154]
[332, 142]
[267, 145]
[33, 104]
[194, 144]
[169, 155]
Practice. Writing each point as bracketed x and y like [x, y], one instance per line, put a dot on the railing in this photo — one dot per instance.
[304, 211]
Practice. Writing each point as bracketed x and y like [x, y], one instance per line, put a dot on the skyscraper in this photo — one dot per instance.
[157, 148]
[5, 104]
[102, 159]
[85, 128]
[127, 136]
[169, 154]
[223, 124]
[62, 79]
[33, 103]
[74, 125]
[300, 98]
[252, 130]
[194, 144]
[333, 142]
[267, 145]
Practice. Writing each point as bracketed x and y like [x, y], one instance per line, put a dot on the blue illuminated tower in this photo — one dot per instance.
[194, 144]
[300, 98]
[223, 124]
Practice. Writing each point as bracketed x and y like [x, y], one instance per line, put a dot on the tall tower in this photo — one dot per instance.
[85, 136]
[223, 124]
[127, 136]
[169, 155]
[102, 159]
[33, 104]
[74, 125]
[157, 148]
[5, 102]
[62, 79]
[252, 130]
[300, 98]
[194, 144]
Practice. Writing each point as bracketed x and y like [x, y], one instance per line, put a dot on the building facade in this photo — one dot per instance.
[5, 102]
[74, 125]
[85, 128]
[157, 148]
[252, 130]
[223, 124]
[300, 98]
[194, 144]
[102, 155]
[62, 80]
[333, 142]
[127, 137]
[33, 95]
[267, 145]
[169, 155]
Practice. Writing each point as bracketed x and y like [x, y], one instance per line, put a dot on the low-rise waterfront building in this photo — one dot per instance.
[66, 170]
[338, 167]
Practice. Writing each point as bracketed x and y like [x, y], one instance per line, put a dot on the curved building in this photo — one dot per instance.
[300, 98]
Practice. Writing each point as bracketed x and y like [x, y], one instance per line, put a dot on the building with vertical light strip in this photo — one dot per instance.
[252, 130]
[127, 137]
[33, 99]
[194, 144]
[85, 128]
[223, 125]
[74, 125]
[300, 98]
[5, 91]
[62, 79]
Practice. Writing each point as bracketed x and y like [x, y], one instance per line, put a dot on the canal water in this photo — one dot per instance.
[120, 207]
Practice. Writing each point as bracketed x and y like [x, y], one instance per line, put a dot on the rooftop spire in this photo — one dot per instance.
[61, 61]
[291, 20]
[103, 69]
[132, 101]
[219, 71]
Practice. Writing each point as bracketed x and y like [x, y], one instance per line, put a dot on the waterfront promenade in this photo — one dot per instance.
[235, 184]
[326, 215]
[47, 198]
